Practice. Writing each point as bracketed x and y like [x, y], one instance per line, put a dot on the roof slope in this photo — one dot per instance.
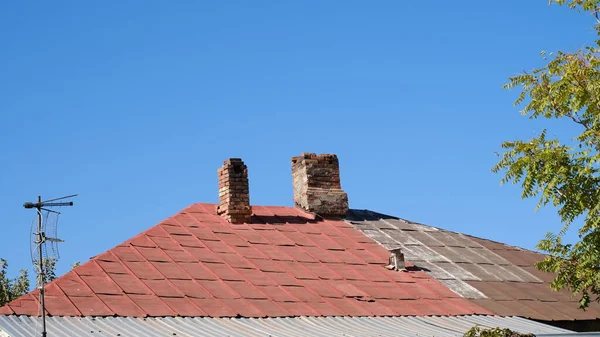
[285, 263]
[496, 276]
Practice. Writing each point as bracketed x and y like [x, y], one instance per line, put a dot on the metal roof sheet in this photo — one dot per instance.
[440, 326]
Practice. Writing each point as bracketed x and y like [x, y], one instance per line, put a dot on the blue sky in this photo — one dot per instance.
[135, 104]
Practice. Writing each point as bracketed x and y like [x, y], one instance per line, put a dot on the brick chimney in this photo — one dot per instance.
[234, 195]
[317, 187]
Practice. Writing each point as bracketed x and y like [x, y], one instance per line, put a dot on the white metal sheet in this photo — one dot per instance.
[17, 326]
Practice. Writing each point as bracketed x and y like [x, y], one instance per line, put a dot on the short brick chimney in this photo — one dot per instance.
[234, 195]
[317, 187]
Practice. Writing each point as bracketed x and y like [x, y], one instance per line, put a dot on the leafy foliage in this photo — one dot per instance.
[49, 269]
[49, 265]
[564, 174]
[11, 289]
[477, 331]
[586, 5]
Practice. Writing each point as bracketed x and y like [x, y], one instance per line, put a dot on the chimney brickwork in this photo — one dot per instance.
[317, 187]
[234, 194]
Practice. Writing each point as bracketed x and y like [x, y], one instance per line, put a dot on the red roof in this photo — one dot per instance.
[285, 263]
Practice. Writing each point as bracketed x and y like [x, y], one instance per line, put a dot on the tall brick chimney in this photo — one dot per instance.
[234, 195]
[317, 187]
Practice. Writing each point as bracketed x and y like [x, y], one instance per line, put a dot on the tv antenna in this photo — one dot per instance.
[47, 223]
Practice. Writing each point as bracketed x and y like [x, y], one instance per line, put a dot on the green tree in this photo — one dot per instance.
[564, 172]
[477, 331]
[12, 288]
[49, 268]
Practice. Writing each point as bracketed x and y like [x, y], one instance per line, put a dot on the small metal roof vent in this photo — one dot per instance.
[396, 261]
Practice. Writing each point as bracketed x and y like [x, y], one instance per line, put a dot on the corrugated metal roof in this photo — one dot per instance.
[439, 326]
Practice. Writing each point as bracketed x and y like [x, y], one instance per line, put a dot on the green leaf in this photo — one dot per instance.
[563, 173]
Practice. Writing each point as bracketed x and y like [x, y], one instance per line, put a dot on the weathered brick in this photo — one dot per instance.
[317, 187]
[234, 197]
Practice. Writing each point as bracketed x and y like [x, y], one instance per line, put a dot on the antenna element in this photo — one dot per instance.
[39, 252]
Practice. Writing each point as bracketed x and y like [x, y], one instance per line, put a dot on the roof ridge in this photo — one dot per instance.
[195, 263]
[446, 230]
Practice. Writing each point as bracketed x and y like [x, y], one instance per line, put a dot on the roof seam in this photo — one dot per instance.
[125, 294]
[446, 230]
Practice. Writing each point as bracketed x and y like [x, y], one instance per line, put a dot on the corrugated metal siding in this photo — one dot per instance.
[17, 326]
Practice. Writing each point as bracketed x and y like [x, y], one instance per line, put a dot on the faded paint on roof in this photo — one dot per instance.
[286, 263]
[496, 276]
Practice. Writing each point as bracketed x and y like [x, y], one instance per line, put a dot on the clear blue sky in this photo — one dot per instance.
[135, 104]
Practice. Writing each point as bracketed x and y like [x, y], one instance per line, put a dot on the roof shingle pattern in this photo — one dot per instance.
[499, 277]
[286, 263]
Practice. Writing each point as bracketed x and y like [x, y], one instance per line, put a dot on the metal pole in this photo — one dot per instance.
[41, 265]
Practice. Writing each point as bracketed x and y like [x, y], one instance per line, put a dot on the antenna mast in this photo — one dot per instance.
[41, 239]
